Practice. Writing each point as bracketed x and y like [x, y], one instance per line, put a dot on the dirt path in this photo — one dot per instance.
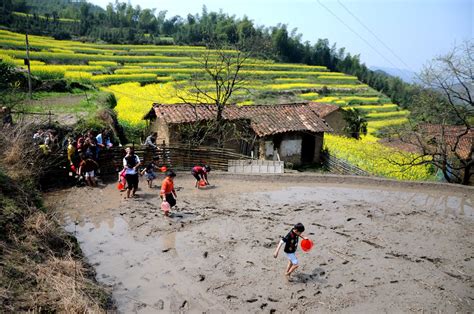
[378, 248]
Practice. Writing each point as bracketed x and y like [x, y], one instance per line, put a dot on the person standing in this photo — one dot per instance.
[131, 162]
[103, 140]
[167, 193]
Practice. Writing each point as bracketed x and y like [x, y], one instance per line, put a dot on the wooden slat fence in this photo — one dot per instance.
[176, 157]
[339, 166]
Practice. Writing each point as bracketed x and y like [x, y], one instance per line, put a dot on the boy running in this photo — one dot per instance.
[291, 244]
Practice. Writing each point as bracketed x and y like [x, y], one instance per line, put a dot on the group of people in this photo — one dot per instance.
[168, 197]
[83, 153]
[46, 140]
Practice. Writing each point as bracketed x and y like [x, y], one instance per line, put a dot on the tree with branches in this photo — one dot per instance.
[221, 67]
[356, 122]
[441, 120]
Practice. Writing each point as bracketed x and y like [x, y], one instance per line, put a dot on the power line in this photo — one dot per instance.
[362, 38]
[375, 35]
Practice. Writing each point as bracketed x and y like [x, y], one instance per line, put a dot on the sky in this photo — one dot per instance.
[403, 34]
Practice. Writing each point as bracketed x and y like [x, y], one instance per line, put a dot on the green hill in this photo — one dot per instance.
[139, 75]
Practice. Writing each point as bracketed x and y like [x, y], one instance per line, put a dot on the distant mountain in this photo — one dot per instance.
[405, 75]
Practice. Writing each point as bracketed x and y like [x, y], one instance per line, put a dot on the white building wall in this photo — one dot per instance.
[290, 147]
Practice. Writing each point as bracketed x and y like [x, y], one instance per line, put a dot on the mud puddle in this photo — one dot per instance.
[377, 249]
[447, 204]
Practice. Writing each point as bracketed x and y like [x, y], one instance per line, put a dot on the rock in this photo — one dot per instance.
[269, 244]
[160, 305]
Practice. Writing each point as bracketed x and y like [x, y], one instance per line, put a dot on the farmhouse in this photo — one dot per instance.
[455, 139]
[332, 114]
[291, 132]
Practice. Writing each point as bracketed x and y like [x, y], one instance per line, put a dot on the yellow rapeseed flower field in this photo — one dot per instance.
[375, 158]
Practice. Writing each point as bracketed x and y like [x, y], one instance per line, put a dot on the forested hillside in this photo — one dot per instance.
[121, 23]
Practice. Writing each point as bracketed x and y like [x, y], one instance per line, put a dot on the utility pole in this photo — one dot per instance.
[28, 64]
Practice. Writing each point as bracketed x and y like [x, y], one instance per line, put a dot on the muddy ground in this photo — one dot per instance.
[380, 246]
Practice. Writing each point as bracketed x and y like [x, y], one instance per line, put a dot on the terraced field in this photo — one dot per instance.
[140, 75]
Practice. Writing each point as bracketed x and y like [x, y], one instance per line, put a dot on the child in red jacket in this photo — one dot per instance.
[200, 173]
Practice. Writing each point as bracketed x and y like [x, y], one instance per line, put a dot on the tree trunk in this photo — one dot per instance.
[467, 175]
[444, 169]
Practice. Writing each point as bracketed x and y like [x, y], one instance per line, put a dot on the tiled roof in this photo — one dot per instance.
[452, 134]
[323, 109]
[264, 119]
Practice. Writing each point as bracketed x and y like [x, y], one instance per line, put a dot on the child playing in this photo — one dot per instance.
[291, 243]
[121, 179]
[200, 173]
[87, 167]
[149, 172]
[167, 193]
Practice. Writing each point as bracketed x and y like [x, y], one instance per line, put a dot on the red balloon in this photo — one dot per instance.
[163, 169]
[73, 168]
[202, 183]
[120, 186]
[306, 245]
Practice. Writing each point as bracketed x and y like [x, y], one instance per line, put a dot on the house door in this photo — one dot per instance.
[308, 145]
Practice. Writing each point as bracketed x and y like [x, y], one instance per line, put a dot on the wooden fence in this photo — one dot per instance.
[339, 166]
[175, 157]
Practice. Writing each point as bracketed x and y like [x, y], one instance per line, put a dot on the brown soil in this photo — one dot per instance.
[68, 99]
[51, 102]
[380, 245]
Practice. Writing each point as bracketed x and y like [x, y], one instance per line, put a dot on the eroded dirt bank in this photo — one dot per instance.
[380, 246]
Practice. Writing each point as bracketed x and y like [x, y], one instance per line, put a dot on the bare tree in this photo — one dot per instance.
[220, 77]
[445, 108]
